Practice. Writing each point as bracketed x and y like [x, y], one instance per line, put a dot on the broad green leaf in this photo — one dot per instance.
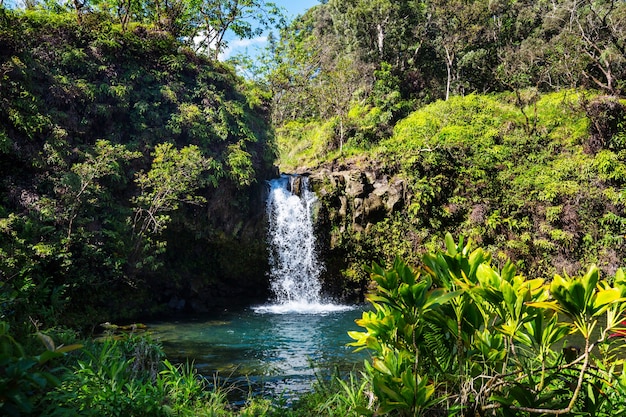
[476, 258]
[408, 379]
[522, 337]
[534, 284]
[486, 275]
[509, 295]
[590, 280]
[508, 400]
[380, 366]
[576, 294]
[604, 297]
[391, 393]
[439, 297]
[552, 305]
[508, 271]
[357, 335]
[48, 355]
[450, 244]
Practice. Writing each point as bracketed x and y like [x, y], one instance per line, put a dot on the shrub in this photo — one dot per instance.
[25, 378]
[607, 116]
[130, 377]
[458, 335]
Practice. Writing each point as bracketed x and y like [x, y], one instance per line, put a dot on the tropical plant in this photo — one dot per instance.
[459, 335]
[124, 377]
[129, 376]
[25, 378]
[334, 396]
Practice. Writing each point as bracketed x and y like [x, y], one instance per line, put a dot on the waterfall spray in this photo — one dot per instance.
[295, 268]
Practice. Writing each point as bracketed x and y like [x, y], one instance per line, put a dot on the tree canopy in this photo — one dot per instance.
[435, 49]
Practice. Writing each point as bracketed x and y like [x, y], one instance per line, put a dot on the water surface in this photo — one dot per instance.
[270, 349]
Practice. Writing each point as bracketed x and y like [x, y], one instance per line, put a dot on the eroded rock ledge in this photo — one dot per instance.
[355, 198]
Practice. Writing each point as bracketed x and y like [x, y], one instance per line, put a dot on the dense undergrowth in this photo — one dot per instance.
[453, 336]
[113, 141]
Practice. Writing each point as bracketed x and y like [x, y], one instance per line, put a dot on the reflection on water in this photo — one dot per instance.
[275, 351]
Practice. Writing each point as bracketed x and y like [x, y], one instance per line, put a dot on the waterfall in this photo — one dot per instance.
[295, 268]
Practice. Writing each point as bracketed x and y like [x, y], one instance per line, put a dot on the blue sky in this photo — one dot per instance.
[252, 46]
[297, 7]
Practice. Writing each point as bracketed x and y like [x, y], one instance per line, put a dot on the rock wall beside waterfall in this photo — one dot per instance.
[357, 199]
[218, 254]
[354, 201]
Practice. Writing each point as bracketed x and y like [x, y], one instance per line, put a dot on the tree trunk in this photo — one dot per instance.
[449, 59]
[77, 6]
[340, 135]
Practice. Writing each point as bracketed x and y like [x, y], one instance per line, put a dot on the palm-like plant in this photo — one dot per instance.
[458, 334]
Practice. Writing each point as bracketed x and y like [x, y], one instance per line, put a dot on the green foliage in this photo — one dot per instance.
[173, 177]
[469, 165]
[459, 336]
[246, 19]
[240, 164]
[336, 396]
[302, 143]
[81, 185]
[130, 377]
[104, 385]
[420, 51]
[25, 378]
[84, 108]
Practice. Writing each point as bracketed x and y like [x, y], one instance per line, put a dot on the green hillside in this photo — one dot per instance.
[119, 148]
[546, 192]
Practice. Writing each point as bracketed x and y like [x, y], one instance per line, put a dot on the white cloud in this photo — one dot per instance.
[237, 45]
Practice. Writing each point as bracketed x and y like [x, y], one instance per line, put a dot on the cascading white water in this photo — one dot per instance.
[294, 265]
[295, 269]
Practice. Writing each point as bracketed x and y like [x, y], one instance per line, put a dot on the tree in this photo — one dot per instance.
[81, 184]
[337, 87]
[601, 29]
[245, 18]
[574, 43]
[174, 16]
[381, 30]
[314, 76]
[298, 59]
[174, 177]
[458, 29]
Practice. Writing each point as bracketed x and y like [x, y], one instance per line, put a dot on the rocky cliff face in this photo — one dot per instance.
[217, 255]
[357, 199]
[353, 202]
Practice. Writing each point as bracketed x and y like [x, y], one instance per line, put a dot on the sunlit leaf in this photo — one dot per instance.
[450, 244]
[380, 366]
[604, 298]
